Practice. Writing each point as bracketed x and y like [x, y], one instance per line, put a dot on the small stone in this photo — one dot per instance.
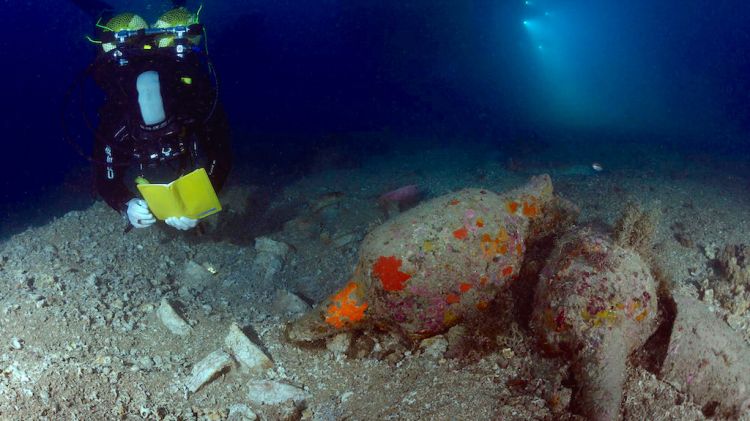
[265, 392]
[249, 355]
[146, 308]
[709, 251]
[92, 280]
[16, 343]
[435, 346]
[195, 276]
[185, 293]
[208, 369]
[285, 302]
[339, 344]
[346, 396]
[267, 264]
[210, 268]
[241, 412]
[145, 362]
[158, 281]
[708, 296]
[508, 353]
[15, 373]
[267, 245]
[342, 240]
[326, 200]
[171, 320]
[736, 322]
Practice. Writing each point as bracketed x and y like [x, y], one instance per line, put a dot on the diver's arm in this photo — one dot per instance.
[109, 176]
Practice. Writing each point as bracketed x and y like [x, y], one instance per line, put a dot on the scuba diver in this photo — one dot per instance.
[161, 118]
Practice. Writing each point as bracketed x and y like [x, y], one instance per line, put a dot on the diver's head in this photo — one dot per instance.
[121, 22]
[172, 18]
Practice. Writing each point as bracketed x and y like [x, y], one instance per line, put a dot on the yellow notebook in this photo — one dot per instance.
[191, 195]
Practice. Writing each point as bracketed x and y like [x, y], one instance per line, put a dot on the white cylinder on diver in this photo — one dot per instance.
[149, 98]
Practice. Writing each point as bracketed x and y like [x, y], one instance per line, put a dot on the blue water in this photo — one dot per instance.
[298, 78]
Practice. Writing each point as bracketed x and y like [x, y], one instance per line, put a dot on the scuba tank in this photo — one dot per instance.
[149, 98]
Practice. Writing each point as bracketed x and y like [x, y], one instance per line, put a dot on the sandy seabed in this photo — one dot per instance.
[80, 337]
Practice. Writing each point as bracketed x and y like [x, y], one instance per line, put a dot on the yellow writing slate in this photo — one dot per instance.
[191, 195]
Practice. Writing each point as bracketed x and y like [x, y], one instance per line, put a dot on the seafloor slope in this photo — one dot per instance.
[82, 339]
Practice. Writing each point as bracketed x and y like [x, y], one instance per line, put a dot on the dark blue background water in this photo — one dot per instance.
[295, 75]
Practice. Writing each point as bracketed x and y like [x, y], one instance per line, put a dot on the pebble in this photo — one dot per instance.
[195, 276]
[265, 244]
[346, 396]
[285, 302]
[241, 412]
[265, 392]
[146, 363]
[339, 344]
[435, 346]
[172, 320]
[270, 258]
[710, 251]
[16, 343]
[345, 239]
[208, 369]
[249, 355]
[92, 280]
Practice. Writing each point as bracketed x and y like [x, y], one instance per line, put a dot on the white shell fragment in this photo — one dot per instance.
[16, 343]
[171, 319]
[208, 369]
[266, 392]
[250, 356]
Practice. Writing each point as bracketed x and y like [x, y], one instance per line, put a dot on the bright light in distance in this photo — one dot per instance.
[526, 23]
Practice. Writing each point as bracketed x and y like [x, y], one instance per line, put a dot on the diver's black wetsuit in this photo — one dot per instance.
[194, 134]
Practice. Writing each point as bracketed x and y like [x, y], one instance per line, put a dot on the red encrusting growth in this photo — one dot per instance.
[491, 247]
[454, 202]
[508, 270]
[461, 233]
[345, 308]
[464, 287]
[387, 270]
[530, 208]
[480, 222]
[512, 207]
[452, 298]
[560, 322]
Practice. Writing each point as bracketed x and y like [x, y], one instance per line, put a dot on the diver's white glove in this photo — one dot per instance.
[181, 223]
[139, 215]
